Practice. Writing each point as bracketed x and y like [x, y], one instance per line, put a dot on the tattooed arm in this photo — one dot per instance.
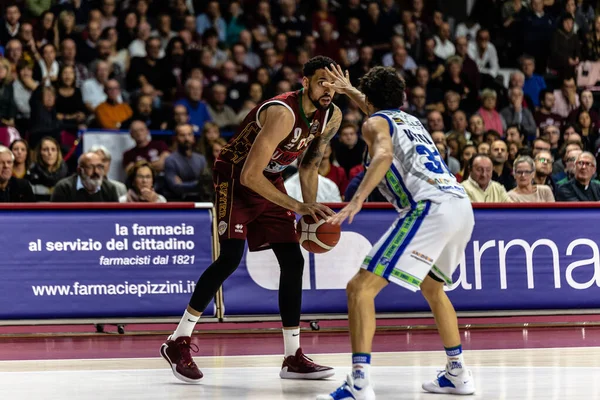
[309, 167]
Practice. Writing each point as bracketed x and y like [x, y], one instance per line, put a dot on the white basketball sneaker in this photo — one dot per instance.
[349, 392]
[447, 383]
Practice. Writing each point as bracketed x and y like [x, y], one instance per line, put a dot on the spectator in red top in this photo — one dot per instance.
[327, 45]
[329, 170]
[469, 67]
[153, 151]
[491, 118]
[350, 149]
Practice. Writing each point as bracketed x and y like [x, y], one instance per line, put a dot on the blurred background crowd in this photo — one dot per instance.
[507, 89]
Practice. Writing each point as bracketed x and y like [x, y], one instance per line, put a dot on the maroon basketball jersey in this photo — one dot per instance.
[303, 132]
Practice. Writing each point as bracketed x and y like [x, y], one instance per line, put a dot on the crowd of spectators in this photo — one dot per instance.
[508, 93]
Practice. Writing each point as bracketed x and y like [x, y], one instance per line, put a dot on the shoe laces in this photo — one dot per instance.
[306, 360]
[343, 390]
[184, 348]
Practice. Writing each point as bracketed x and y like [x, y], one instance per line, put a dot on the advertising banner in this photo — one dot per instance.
[102, 263]
[517, 259]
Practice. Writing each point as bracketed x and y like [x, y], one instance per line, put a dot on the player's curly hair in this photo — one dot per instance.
[316, 63]
[383, 88]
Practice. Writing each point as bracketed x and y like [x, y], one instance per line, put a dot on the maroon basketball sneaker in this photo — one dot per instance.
[177, 354]
[301, 367]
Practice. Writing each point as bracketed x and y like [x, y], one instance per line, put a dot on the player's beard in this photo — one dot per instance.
[316, 103]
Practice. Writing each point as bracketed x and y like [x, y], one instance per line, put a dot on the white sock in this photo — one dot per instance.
[291, 341]
[456, 360]
[361, 363]
[186, 325]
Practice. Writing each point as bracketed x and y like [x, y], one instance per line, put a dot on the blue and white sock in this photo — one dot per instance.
[455, 360]
[361, 362]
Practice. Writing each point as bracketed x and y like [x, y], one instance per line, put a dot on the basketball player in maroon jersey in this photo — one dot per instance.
[252, 204]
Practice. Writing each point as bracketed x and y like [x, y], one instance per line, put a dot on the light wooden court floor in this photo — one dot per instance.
[548, 374]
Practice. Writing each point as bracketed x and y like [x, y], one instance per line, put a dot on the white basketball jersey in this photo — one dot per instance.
[418, 172]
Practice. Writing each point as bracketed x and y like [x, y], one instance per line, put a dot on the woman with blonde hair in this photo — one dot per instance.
[65, 28]
[48, 169]
[210, 133]
[215, 149]
[491, 118]
[526, 191]
[140, 181]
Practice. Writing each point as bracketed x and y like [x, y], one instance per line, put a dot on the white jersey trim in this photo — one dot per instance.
[325, 120]
[271, 102]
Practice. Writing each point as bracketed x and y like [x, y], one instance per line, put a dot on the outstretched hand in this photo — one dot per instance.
[341, 80]
[347, 212]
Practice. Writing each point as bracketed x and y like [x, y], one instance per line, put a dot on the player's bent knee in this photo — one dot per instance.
[431, 289]
[230, 256]
[353, 287]
[364, 285]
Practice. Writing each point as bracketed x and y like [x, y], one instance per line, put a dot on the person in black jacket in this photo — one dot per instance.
[565, 49]
[88, 185]
[48, 169]
[12, 190]
[581, 187]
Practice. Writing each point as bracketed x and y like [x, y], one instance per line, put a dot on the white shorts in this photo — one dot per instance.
[431, 237]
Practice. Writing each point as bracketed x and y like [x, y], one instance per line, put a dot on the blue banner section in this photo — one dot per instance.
[517, 259]
[101, 263]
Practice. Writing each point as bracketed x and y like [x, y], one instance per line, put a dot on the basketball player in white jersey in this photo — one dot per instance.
[423, 246]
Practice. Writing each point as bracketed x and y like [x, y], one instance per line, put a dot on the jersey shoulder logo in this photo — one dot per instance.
[314, 127]
[398, 120]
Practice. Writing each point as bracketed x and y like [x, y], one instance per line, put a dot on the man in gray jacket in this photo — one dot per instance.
[184, 169]
[515, 114]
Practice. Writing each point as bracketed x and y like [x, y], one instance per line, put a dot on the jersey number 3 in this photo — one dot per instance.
[434, 161]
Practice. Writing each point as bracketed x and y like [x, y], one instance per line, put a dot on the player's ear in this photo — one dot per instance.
[305, 82]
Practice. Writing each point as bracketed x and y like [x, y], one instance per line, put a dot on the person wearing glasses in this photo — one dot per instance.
[526, 191]
[543, 170]
[581, 187]
[87, 185]
[140, 181]
[569, 171]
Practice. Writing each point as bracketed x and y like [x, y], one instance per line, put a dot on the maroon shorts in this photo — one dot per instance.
[244, 214]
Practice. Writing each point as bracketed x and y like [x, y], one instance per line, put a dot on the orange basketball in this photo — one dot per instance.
[319, 236]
